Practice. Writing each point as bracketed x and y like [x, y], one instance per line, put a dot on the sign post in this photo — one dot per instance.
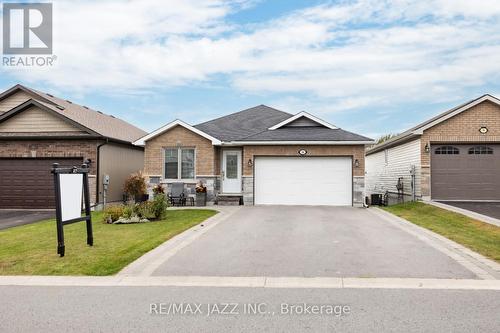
[69, 184]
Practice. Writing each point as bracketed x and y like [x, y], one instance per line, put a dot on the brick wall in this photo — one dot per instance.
[358, 152]
[51, 148]
[462, 128]
[55, 148]
[179, 136]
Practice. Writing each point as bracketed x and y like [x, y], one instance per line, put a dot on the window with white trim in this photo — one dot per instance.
[179, 163]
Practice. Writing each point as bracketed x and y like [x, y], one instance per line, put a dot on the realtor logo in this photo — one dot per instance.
[27, 28]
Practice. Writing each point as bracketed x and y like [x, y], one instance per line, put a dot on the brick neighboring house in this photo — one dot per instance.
[455, 155]
[38, 129]
[260, 156]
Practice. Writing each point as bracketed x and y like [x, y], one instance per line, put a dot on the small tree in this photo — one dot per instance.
[135, 185]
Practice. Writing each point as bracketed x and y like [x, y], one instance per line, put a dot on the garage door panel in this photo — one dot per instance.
[303, 180]
[465, 176]
[28, 183]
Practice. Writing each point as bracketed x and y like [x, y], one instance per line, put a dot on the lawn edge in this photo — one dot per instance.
[151, 260]
[470, 256]
[216, 213]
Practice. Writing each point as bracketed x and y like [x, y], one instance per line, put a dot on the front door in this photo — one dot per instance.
[231, 171]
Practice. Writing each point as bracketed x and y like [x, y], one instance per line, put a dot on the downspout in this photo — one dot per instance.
[98, 171]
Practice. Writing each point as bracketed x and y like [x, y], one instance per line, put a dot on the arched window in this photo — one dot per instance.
[447, 150]
[480, 150]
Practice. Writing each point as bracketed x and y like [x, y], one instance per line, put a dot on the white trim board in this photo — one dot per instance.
[492, 99]
[177, 122]
[306, 115]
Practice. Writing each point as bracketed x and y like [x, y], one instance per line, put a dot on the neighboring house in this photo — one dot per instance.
[260, 156]
[455, 155]
[38, 129]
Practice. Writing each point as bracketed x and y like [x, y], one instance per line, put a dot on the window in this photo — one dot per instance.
[447, 150]
[386, 156]
[480, 150]
[182, 170]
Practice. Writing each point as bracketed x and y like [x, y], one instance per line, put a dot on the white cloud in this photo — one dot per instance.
[349, 54]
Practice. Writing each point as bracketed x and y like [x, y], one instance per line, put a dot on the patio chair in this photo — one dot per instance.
[177, 197]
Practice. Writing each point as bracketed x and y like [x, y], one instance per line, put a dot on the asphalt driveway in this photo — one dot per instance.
[13, 217]
[491, 209]
[310, 241]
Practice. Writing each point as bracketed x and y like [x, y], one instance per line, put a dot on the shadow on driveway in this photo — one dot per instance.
[491, 209]
[11, 218]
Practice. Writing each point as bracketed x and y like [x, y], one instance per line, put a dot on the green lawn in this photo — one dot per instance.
[480, 237]
[31, 249]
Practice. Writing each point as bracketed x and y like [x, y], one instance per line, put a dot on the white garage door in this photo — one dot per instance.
[303, 181]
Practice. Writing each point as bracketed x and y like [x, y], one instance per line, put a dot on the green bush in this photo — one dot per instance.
[145, 210]
[128, 211]
[112, 213]
[159, 205]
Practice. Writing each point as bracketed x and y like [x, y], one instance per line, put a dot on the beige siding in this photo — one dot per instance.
[13, 100]
[118, 161]
[382, 175]
[34, 120]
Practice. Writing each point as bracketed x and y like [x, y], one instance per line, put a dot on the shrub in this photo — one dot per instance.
[145, 210]
[128, 211]
[112, 213]
[135, 185]
[159, 206]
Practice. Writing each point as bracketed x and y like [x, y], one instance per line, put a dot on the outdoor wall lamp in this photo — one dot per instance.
[426, 148]
[250, 162]
[356, 163]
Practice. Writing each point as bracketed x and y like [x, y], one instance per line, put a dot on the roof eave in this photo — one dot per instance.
[296, 142]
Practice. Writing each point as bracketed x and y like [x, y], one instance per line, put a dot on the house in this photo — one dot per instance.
[260, 156]
[38, 129]
[454, 156]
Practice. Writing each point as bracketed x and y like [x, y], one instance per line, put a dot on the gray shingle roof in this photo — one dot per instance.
[244, 123]
[252, 125]
[306, 134]
[103, 124]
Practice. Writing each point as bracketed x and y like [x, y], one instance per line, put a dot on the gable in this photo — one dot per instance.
[185, 127]
[468, 122]
[179, 134]
[303, 122]
[302, 119]
[35, 120]
[13, 100]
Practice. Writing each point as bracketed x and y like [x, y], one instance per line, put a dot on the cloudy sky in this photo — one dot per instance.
[369, 66]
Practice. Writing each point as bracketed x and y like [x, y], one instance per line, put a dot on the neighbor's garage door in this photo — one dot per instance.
[465, 172]
[28, 183]
[303, 181]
